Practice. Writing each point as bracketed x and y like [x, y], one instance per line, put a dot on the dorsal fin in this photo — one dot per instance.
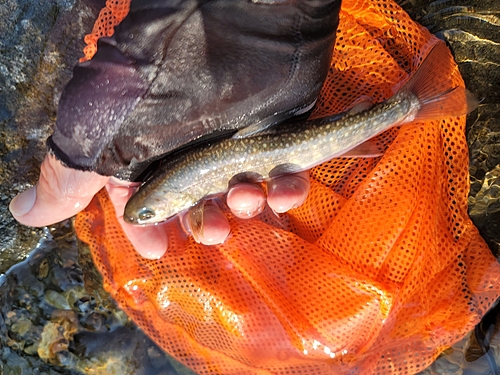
[267, 126]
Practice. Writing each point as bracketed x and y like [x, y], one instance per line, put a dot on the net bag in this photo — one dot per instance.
[377, 272]
[111, 15]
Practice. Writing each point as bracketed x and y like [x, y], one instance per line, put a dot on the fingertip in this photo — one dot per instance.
[150, 242]
[216, 227]
[23, 203]
[287, 192]
[246, 200]
[60, 193]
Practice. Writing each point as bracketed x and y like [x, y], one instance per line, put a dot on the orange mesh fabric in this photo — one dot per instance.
[109, 16]
[377, 273]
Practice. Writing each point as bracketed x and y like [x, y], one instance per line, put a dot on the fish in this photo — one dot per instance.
[186, 178]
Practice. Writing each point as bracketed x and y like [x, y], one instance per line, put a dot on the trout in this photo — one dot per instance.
[188, 177]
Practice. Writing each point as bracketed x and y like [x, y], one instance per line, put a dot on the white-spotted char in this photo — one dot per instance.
[194, 174]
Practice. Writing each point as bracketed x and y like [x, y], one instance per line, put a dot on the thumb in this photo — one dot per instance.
[60, 193]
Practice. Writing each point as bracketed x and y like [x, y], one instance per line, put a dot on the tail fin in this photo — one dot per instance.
[431, 84]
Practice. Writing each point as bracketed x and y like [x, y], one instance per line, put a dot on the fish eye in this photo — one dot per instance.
[146, 214]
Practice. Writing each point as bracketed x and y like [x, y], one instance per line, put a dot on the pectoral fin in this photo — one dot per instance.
[284, 169]
[368, 149]
[267, 126]
[363, 103]
[260, 128]
[195, 220]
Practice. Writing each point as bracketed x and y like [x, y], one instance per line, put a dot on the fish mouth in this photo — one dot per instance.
[130, 219]
[143, 215]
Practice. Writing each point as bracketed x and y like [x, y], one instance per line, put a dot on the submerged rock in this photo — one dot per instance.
[54, 314]
[472, 30]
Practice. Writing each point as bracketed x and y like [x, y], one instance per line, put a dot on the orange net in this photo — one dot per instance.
[109, 16]
[377, 273]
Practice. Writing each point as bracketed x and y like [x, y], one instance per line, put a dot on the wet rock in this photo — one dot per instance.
[56, 336]
[472, 30]
[56, 320]
[13, 364]
[478, 353]
[485, 207]
[39, 44]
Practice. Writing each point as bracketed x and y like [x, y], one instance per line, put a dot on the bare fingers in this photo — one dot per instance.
[214, 228]
[287, 192]
[60, 193]
[247, 200]
[149, 241]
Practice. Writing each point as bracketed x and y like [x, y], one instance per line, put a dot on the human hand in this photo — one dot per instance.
[62, 192]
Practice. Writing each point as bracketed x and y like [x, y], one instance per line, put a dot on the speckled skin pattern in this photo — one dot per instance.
[185, 179]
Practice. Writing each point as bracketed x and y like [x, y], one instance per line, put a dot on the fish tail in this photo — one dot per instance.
[437, 99]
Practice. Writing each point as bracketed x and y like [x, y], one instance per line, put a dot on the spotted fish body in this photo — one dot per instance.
[189, 176]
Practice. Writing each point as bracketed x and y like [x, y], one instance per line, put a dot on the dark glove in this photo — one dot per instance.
[175, 71]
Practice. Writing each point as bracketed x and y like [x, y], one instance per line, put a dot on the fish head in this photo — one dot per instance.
[155, 208]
